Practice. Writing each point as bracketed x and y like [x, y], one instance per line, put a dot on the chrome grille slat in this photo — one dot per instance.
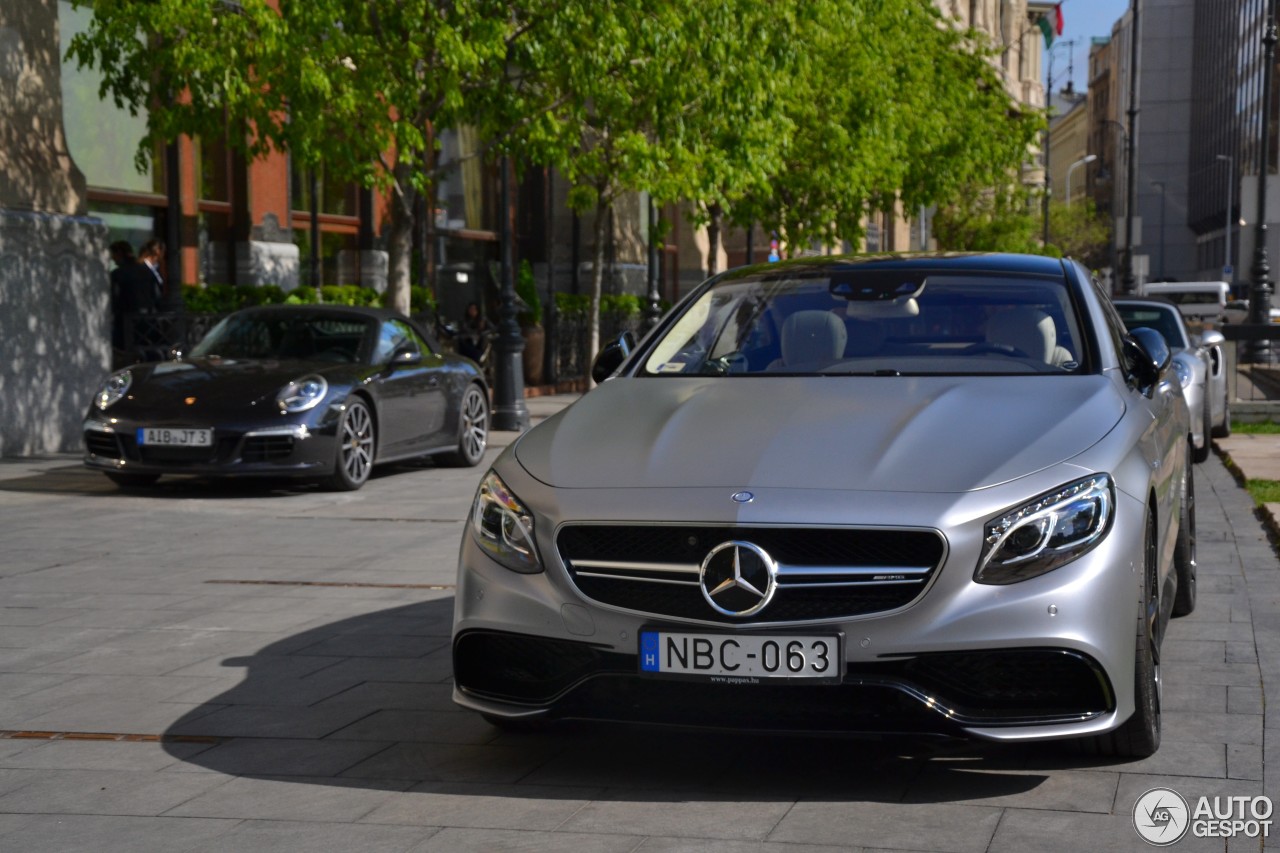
[823, 573]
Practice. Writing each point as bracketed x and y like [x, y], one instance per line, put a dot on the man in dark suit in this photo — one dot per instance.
[132, 296]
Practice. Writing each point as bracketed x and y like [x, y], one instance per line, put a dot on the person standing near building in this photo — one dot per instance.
[152, 257]
[132, 295]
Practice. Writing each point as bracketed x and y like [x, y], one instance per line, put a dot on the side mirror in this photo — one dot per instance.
[1212, 338]
[611, 356]
[1148, 355]
[406, 355]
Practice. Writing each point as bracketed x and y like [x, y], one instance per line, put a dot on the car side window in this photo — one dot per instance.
[1115, 328]
[393, 335]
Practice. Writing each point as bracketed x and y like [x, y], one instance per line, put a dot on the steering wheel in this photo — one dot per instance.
[992, 346]
[733, 362]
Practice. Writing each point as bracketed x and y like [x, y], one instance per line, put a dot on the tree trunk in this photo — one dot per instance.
[400, 242]
[603, 206]
[714, 227]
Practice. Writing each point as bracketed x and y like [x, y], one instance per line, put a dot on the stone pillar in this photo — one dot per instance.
[54, 285]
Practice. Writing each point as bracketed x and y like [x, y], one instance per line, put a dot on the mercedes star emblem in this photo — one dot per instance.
[738, 578]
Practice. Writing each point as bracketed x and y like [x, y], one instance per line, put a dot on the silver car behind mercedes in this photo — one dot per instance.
[944, 494]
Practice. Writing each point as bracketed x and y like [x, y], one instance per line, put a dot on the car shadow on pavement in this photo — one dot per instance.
[366, 702]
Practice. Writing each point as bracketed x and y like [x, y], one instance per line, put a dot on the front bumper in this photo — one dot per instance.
[294, 449]
[1050, 657]
[513, 675]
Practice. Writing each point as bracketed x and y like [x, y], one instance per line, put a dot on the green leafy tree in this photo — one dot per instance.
[891, 104]
[1001, 220]
[355, 85]
[1080, 232]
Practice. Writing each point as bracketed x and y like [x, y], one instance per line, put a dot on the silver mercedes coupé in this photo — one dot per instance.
[944, 493]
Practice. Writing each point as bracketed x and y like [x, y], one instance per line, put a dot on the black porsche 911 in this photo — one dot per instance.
[315, 392]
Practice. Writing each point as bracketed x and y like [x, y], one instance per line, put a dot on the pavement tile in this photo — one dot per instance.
[1244, 761]
[16, 684]
[495, 840]
[73, 833]
[1063, 790]
[1177, 695]
[524, 807]
[282, 757]
[1133, 786]
[641, 814]
[267, 721]
[283, 836]
[706, 845]
[1212, 728]
[1244, 700]
[30, 615]
[267, 667]
[112, 661]
[1173, 758]
[284, 798]
[101, 755]
[125, 715]
[1071, 832]
[106, 792]
[417, 726]
[493, 763]
[1175, 650]
[389, 696]
[893, 826]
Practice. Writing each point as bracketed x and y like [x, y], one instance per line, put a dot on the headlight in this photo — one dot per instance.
[302, 394]
[503, 527]
[1184, 372]
[114, 389]
[1047, 532]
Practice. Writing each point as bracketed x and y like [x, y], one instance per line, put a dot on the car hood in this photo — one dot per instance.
[216, 383]
[930, 434]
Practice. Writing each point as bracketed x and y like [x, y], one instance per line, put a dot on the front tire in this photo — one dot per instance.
[473, 429]
[1224, 431]
[1200, 454]
[1184, 551]
[356, 439]
[1139, 737]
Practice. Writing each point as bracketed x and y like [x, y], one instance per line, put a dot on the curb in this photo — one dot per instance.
[1261, 511]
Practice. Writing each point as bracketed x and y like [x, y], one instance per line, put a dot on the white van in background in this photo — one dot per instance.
[1196, 300]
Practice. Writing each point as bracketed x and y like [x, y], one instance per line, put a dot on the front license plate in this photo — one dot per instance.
[175, 437]
[728, 658]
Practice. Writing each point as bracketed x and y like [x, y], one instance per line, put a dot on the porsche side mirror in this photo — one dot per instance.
[406, 355]
[1148, 356]
[611, 356]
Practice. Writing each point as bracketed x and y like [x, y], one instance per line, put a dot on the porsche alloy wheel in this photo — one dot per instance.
[473, 429]
[356, 443]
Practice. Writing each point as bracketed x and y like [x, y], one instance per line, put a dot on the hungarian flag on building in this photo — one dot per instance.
[1051, 29]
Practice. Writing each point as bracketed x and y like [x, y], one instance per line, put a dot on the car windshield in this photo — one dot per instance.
[285, 337]
[881, 322]
[1163, 320]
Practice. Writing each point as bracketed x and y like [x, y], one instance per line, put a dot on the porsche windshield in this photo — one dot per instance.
[285, 337]
[874, 323]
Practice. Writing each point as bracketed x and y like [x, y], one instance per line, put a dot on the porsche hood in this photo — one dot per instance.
[891, 434]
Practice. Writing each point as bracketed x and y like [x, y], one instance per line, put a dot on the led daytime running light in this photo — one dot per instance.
[1048, 532]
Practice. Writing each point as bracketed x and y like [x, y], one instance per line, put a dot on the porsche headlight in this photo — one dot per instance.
[1184, 372]
[503, 527]
[1047, 532]
[302, 394]
[113, 389]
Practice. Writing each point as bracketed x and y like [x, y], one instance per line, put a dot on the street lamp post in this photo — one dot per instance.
[1130, 281]
[1048, 102]
[509, 410]
[1259, 352]
[1082, 161]
[1231, 186]
[1160, 185]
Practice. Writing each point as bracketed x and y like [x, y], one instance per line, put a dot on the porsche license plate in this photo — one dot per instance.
[730, 658]
[175, 437]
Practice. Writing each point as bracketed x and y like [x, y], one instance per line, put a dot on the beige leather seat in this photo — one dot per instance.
[811, 339]
[1030, 331]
